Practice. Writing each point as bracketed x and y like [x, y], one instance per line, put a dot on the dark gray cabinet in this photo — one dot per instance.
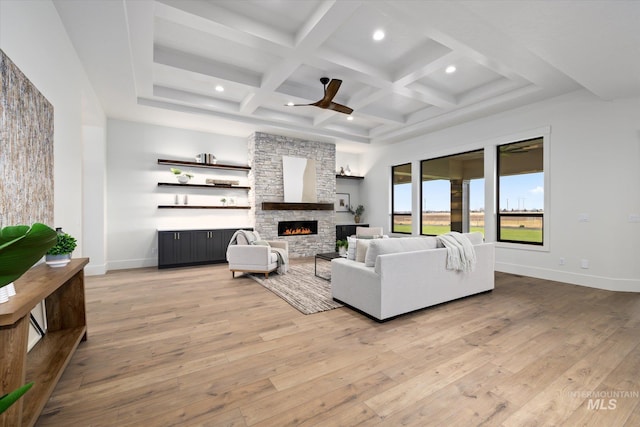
[181, 248]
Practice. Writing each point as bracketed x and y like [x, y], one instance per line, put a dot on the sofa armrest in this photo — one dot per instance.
[248, 254]
[281, 244]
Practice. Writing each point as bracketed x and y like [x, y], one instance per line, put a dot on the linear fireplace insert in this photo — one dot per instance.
[297, 228]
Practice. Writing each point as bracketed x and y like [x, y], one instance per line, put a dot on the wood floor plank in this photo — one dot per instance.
[194, 347]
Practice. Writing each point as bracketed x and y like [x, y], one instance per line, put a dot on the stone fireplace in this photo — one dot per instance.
[297, 228]
[267, 186]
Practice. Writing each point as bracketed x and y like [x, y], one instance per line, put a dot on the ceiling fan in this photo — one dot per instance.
[327, 101]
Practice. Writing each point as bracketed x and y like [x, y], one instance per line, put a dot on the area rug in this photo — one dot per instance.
[301, 288]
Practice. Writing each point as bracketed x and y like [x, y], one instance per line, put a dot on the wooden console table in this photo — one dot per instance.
[63, 291]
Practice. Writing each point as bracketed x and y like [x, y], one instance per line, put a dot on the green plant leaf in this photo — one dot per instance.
[22, 246]
[10, 398]
[64, 245]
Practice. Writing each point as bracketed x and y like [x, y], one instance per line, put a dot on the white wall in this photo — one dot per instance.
[133, 195]
[33, 36]
[349, 186]
[594, 169]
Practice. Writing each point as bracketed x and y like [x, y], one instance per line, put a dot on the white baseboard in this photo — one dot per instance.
[599, 282]
[95, 270]
[132, 263]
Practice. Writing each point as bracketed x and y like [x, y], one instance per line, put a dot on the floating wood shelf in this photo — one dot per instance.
[203, 165]
[349, 176]
[201, 207]
[217, 187]
[282, 206]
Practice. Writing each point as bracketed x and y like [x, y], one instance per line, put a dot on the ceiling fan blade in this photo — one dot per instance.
[330, 91]
[340, 108]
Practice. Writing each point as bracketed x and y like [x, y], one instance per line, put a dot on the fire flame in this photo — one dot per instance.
[294, 231]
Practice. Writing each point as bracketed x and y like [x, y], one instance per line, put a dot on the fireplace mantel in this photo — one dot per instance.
[282, 206]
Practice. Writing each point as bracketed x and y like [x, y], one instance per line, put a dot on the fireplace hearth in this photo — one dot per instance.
[297, 228]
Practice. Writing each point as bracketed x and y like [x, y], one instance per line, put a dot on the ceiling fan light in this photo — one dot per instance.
[290, 104]
[350, 118]
[378, 35]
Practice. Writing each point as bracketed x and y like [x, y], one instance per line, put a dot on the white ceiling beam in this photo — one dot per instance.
[194, 98]
[253, 120]
[182, 60]
[213, 13]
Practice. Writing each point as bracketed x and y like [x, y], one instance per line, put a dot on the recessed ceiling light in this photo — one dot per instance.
[219, 88]
[349, 118]
[450, 69]
[378, 35]
[290, 104]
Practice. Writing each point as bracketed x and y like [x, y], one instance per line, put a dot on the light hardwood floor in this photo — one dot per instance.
[192, 346]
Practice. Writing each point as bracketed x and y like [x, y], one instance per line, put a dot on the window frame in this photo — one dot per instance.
[521, 244]
[481, 149]
[393, 215]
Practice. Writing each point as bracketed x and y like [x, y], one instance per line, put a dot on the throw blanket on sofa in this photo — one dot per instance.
[461, 255]
[252, 238]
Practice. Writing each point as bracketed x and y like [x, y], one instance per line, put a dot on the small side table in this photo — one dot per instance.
[327, 256]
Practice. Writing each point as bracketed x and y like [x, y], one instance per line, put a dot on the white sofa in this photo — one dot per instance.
[401, 275]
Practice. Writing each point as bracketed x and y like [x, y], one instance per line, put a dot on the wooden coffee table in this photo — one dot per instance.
[327, 256]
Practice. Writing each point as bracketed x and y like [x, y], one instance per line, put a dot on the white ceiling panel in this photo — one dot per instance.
[146, 55]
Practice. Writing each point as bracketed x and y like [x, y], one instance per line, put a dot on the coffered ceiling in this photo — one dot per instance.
[161, 61]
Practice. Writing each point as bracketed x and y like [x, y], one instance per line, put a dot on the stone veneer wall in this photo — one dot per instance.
[266, 182]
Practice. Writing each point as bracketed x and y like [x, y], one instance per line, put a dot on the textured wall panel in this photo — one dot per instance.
[26, 150]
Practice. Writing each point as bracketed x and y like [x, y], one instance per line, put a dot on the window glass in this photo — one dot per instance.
[452, 193]
[401, 199]
[521, 192]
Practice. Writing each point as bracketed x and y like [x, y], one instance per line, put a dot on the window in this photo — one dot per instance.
[452, 193]
[401, 199]
[521, 192]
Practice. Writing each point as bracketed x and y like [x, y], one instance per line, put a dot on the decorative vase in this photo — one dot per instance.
[183, 179]
[356, 219]
[58, 260]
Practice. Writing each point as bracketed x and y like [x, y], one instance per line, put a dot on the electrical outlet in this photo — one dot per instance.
[154, 251]
[584, 263]
[562, 261]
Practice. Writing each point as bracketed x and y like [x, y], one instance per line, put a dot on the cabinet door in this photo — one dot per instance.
[174, 247]
[223, 239]
[203, 246]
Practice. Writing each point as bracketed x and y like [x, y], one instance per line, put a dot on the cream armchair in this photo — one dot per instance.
[254, 258]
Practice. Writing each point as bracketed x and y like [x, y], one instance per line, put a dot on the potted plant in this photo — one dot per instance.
[341, 247]
[21, 246]
[60, 254]
[223, 201]
[183, 177]
[357, 213]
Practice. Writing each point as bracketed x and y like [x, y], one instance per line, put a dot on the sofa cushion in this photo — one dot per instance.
[401, 244]
[476, 238]
[362, 246]
[368, 232]
[351, 247]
